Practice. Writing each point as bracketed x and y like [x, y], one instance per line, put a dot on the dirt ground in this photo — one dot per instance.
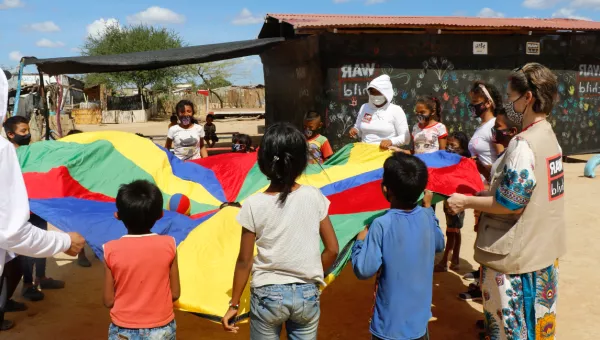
[77, 312]
[156, 128]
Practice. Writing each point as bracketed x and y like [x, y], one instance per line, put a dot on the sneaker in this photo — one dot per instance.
[14, 306]
[440, 268]
[83, 261]
[50, 283]
[472, 295]
[6, 325]
[31, 293]
[472, 276]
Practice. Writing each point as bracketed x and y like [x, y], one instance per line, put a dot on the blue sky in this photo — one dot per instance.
[58, 28]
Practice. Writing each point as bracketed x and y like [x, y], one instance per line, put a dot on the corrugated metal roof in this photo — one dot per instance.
[364, 21]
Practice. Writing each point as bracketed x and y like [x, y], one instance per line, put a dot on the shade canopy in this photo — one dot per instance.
[152, 60]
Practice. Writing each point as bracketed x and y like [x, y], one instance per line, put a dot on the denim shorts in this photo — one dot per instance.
[295, 305]
[167, 332]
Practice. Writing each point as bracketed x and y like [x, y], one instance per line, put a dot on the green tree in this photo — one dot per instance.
[118, 40]
[215, 75]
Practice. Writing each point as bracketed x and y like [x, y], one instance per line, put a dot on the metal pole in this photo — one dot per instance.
[45, 111]
[19, 80]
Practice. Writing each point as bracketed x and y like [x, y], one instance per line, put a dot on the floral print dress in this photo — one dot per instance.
[521, 306]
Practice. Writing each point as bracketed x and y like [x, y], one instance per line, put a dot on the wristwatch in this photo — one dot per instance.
[234, 307]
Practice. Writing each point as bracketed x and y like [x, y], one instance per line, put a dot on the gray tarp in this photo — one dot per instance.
[151, 60]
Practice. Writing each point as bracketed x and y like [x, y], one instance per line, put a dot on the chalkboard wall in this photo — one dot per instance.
[440, 65]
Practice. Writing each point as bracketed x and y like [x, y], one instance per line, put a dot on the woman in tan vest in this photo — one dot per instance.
[522, 227]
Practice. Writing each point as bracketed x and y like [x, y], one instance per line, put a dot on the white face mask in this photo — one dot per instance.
[377, 100]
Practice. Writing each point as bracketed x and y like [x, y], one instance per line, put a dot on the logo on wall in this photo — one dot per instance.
[533, 48]
[354, 79]
[556, 178]
[480, 47]
[588, 80]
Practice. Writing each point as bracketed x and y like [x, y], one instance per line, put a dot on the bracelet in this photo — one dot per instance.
[234, 307]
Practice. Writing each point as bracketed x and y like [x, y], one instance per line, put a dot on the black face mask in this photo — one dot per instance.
[499, 136]
[22, 140]
[477, 109]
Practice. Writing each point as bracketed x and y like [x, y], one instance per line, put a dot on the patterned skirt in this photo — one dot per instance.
[522, 306]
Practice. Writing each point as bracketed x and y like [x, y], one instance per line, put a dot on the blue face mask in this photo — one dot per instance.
[237, 147]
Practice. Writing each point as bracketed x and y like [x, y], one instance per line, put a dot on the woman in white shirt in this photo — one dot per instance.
[485, 99]
[379, 121]
[186, 138]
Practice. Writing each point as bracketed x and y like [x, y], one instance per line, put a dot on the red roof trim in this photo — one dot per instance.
[349, 21]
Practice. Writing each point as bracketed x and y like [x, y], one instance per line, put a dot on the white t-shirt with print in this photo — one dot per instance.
[426, 139]
[288, 240]
[186, 142]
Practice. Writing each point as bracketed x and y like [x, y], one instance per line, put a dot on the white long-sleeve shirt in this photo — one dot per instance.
[377, 124]
[17, 235]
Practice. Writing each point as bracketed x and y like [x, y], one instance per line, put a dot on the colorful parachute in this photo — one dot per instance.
[72, 183]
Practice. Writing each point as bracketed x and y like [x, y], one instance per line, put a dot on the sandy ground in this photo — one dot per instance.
[157, 128]
[77, 312]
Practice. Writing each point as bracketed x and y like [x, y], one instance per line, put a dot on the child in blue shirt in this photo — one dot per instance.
[400, 247]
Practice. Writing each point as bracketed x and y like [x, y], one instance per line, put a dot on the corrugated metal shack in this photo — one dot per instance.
[327, 61]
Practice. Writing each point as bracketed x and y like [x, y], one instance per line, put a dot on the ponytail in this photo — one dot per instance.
[282, 168]
[438, 109]
[282, 157]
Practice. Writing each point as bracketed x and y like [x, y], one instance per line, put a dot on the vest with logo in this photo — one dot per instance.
[534, 239]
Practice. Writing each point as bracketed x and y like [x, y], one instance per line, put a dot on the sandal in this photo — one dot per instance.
[6, 325]
[14, 306]
[454, 266]
[474, 275]
[472, 295]
[50, 283]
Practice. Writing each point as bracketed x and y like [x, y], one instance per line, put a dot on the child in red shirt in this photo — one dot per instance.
[141, 275]
[318, 145]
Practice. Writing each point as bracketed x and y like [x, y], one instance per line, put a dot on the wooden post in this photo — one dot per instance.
[45, 111]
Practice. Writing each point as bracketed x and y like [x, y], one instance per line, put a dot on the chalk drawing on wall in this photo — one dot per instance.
[439, 66]
[402, 77]
[343, 118]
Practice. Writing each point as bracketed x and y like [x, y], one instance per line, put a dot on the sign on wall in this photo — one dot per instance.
[533, 48]
[480, 47]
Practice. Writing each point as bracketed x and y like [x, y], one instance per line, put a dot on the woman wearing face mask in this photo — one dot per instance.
[485, 99]
[187, 137]
[523, 223]
[379, 121]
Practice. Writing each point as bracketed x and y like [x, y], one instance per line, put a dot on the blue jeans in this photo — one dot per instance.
[167, 332]
[295, 305]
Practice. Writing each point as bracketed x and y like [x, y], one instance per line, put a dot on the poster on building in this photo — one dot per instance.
[533, 48]
[588, 80]
[480, 47]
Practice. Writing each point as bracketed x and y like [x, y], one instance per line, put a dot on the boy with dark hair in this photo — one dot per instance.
[210, 131]
[401, 247]
[173, 121]
[318, 145]
[141, 307]
[17, 131]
